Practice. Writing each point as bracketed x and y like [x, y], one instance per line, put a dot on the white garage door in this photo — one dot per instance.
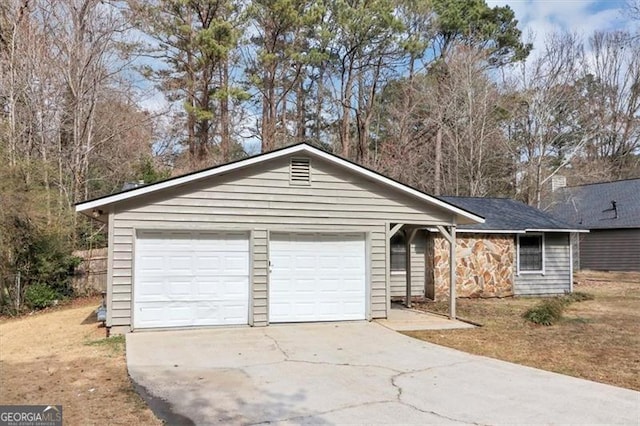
[317, 277]
[191, 279]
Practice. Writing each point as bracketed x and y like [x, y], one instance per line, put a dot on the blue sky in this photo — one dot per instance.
[540, 18]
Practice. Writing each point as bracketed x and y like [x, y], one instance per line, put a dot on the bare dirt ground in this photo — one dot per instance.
[597, 339]
[62, 357]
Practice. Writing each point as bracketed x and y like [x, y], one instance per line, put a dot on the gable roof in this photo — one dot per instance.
[463, 215]
[591, 206]
[509, 216]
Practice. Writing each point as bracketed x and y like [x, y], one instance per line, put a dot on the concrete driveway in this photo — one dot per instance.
[336, 373]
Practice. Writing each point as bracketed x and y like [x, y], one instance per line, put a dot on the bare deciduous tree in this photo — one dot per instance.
[611, 89]
[475, 147]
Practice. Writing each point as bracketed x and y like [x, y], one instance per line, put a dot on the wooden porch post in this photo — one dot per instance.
[450, 236]
[410, 236]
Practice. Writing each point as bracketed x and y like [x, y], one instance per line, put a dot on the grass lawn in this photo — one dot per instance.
[62, 357]
[597, 340]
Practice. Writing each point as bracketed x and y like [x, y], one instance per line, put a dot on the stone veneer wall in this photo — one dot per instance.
[485, 265]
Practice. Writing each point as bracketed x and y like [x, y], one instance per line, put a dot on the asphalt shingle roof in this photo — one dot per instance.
[590, 206]
[504, 214]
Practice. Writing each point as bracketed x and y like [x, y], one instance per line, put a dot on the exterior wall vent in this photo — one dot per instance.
[300, 171]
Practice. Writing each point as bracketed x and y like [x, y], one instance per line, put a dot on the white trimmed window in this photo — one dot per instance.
[531, 254]
[398, 253]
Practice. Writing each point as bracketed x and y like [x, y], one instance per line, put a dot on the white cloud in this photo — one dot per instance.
[541, 18]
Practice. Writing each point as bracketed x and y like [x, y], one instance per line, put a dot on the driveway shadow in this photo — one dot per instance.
[195, 403]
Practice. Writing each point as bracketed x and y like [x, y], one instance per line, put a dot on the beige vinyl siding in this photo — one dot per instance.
[111, 297]
[399, 280]
[557, 270]
[121, 277]
[260, 273]
[378, 273]
[610, 250]
[261, 199]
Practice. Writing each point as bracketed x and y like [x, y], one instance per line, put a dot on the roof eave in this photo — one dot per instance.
[557, 230]
[462, 216]
[182, 180]
[490, 231]
[517, 231]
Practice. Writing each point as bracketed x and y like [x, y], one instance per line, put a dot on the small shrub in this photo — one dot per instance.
[578, 296]
[40, 296]
[548, 312]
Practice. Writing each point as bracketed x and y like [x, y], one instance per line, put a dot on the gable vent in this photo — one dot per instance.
[299, 171]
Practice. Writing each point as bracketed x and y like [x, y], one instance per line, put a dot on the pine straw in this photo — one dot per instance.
[596, 339]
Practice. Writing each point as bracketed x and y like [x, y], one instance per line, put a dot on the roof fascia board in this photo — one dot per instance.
[631, 227]
[270, 156]
[489, 231]
[558, 230]
[513, 231]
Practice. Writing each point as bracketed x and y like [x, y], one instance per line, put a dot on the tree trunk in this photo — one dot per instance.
[317, 128]
[345, 122]
[225, 132]
[269, 109]
[191, 115]
[301, 120]
[539, 182]
[437, 169]
[360, 121]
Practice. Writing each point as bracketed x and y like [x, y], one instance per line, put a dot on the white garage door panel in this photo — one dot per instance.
[317, 277]
[191, 279]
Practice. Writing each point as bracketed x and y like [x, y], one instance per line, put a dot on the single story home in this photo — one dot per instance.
[299, 234]
[518, 251]
[611, 212]
[292, 235]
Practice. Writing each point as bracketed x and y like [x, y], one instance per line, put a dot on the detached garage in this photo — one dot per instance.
[292, 235]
